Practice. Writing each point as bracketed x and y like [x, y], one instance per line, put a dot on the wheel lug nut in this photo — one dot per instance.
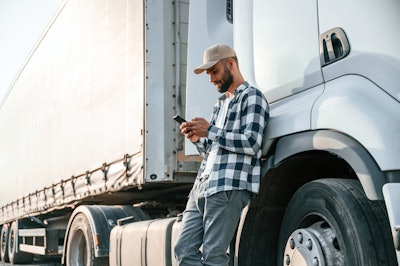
[300, 238]
[309, 244]
[287, 260]
[292, 243]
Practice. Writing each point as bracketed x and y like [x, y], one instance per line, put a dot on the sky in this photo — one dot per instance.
[22, 22]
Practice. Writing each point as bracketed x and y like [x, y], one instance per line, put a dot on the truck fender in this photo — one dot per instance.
[102, 220]
[371, 177]
[358, 107]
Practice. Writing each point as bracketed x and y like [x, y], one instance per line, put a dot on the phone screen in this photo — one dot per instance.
[179, 119]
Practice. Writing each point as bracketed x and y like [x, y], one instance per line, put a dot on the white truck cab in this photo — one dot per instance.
[331, 73]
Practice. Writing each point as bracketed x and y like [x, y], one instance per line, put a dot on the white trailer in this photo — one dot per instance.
[88, 122]
[94, 169]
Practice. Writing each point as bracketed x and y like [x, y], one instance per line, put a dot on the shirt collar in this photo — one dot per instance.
[238, 90]
[241, 88]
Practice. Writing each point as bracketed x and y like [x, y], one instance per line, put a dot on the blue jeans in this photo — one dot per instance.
[210, 221]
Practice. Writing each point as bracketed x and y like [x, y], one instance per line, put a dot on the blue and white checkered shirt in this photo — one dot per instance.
[238, 162]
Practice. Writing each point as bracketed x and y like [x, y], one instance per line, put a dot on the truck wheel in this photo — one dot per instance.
[15, 255]
[4, 243]
[80, 246]
[331, 222]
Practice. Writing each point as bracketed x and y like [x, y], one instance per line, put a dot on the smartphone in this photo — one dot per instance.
[179, 119]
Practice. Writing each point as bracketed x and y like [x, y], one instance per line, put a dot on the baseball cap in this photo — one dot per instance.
[213, 54]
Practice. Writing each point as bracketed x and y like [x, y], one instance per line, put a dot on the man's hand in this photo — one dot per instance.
[195, 129]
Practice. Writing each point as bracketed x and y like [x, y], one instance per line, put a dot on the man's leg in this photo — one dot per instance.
[221, 217]
[191, 236]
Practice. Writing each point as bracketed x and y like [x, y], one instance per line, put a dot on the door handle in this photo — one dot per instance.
[334, 45]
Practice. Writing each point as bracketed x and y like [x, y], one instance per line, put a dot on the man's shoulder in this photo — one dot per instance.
[253, 91]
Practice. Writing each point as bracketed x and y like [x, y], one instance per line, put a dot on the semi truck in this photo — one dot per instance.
[95, 171]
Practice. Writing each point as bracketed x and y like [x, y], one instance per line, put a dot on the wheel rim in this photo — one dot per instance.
[78, 249]
[11, 240]
[4, 243]
[315, 245]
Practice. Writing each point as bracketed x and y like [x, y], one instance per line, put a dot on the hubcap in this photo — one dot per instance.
[316, 245]
[303, 249]
[78, 249]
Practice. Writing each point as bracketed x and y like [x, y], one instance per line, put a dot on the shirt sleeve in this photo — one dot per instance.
[201, 146]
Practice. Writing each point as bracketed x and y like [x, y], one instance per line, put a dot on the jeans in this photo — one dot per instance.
[211, 221]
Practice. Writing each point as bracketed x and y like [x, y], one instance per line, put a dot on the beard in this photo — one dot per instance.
[226, 81]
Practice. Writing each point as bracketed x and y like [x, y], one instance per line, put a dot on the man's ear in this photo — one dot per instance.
[231, 63]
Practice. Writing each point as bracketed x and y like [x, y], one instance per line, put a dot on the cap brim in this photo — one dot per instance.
[205, 66]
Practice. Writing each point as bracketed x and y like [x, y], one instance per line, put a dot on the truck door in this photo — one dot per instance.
[278, 49]
[279, 67]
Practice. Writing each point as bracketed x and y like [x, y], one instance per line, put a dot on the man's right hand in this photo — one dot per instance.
[193, 130]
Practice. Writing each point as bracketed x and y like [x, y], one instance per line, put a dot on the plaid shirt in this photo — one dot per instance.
[237, 165]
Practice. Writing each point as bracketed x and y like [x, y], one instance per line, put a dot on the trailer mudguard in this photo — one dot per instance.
[371, 177]
[102, 220]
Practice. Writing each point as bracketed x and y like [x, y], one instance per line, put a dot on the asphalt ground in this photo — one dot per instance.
[37, 261]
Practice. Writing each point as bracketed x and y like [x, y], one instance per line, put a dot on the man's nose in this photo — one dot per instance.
[212, 78]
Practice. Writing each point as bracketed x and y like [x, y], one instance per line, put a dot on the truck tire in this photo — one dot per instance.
[4, 243]
[331, 222]
[80, 246]
[14, 254]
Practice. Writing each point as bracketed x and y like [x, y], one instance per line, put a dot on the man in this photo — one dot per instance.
[230, 172]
